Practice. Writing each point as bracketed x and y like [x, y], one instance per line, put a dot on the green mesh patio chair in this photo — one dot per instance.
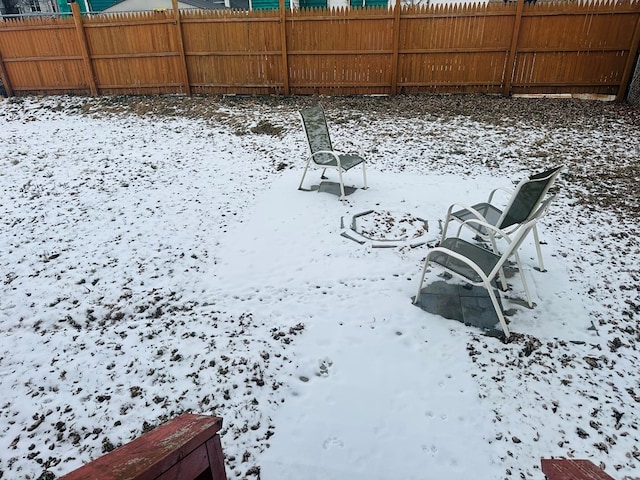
[322, 152]
[479, 266]
[523, 203]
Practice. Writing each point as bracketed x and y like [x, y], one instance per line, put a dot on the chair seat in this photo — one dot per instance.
[490, 213]
[347, 161]
[482, 257]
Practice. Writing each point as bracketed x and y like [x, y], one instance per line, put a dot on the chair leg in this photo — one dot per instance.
[306, 167]
[342, 194]
[422, 275]
[503, 279]
[447, 221]
[524, 280]
[446, 225]
[496, 306]
[536, 240]
[364, 175]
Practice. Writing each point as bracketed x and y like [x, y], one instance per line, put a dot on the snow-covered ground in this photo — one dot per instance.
[157, 258]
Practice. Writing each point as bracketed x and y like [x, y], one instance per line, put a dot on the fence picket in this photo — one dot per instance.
[180, 42]
[631, 58]
[4, 76]
[84, 49]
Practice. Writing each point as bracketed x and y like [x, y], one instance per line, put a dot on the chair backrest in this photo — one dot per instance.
[527, 197]
[542, 209]
[315, 127]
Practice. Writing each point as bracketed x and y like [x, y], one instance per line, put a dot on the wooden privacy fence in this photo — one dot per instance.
[508, 48]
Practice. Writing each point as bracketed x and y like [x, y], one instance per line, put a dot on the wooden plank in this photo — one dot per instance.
[190, 467]
[341, 52]
[631, 61]
[324, 18]
[129, 23]
[135, 55]
[153, 453]
[58, 58]
[511, 59]
[577, 11]
[105, 86]
[216, 459]
[283, 46]
[444, 86]
[469, 50]
[54, 89]
[396, 47]
[4, 76]
[614, 48]
[180, 42]
[570, 469]
[9, 27]
[248, 19]
[240, 53]
[234, 85]
[84, 49]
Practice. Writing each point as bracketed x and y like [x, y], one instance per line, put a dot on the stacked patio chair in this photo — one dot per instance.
[480, 266]
[522, 205]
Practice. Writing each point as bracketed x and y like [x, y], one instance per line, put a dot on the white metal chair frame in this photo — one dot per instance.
[452, 247]
[342, 162]
[504, 222]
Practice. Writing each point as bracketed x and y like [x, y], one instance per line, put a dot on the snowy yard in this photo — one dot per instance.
[157, 258]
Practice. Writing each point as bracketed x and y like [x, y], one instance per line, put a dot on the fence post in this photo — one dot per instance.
[511, 59]
[396, 46]
[285, 53]
[82, 40]
[631, 61]
[180, 38]
[4, 76]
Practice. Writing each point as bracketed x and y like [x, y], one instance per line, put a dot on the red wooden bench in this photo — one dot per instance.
[569, 469]
[186, 448]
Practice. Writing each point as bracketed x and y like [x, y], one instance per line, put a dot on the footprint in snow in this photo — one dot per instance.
[332, 442]
[431, 450]
[323, 369]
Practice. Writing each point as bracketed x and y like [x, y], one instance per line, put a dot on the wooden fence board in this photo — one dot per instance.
[42, 55]
[340, 51]
[583, 49]
[551, 47]
[89, 76]
[590, 31]
[445, 49]
[242, 54]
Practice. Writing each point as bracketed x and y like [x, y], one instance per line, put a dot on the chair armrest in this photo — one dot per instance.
[499, 189]
[335, 153]
[469, 208]
[330, 152]
[499, 233]
[449, 217]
